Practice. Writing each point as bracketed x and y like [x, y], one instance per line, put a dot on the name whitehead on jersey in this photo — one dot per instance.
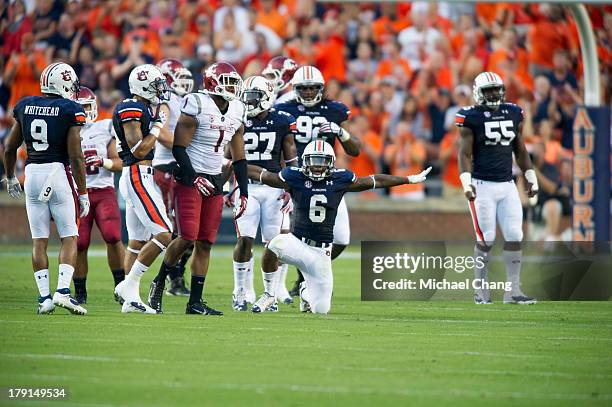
[42, 110]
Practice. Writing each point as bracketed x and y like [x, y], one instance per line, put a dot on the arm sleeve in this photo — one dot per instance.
[182, 159]
[240, 169]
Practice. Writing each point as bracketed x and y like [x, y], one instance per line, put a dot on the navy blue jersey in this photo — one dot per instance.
[128, 110]
[263, 139]
[494, 137]
[315, 203]
[309, 118]
[44, 122]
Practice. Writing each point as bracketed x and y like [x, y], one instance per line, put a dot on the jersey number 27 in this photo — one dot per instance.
[501, 132]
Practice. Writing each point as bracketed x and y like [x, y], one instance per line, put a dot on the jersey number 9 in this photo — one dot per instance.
[38, 131]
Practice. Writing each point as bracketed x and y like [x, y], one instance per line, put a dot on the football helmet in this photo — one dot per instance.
[257, 95]
[308, 84]
[179, 78]
[489, 90]
[59, 79]
[223, 80]
[279, 72]
[318, 160]
[87, 99]
[148, 82]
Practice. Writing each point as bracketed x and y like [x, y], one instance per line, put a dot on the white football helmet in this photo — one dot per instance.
[489, 90]
[257, 95]
[87, 99]
[148, 82]
[59, 79]
[308, 84]
[318, 160]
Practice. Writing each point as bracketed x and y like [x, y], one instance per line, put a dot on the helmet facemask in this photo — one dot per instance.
[309, 94]
[318, 166]
[91, 110]
[159, 88]
[492, 95]
[182, 83]
[228, 87]
[255, 101]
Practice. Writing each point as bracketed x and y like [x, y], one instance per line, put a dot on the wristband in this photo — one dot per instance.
[373, 181]
[135, 147]
[155, 130]
[344, 135]
[108, 163]
[466, 181]
[261, 174]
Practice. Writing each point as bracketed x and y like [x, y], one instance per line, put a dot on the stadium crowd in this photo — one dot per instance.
[403, 68]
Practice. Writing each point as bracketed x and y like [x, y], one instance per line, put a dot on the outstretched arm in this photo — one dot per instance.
[386, 181]
[266, 177]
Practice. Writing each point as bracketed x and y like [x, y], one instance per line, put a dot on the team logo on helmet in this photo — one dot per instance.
[141, 75]
[66, 75]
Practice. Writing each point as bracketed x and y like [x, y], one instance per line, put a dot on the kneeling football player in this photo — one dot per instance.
[316, 189]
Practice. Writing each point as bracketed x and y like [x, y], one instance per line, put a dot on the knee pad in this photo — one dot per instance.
[515, 234]
[320, 306]
[277, 244]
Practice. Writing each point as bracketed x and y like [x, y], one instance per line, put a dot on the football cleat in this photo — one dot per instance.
[250, 296]
[265, 303]
[201, 308]
[156, 293]
[283, 296]
[45, 305]
[118, 291]
[80, 296]
[238, 301]
[295, 290]
[304, 305]
[64, 300]
[178, 287]
[482, 300]
[137, 307]
[519, 298]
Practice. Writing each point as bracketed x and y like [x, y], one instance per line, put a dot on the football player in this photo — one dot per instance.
[490, 132]
[180, 82]
[317, 189]
[268, 135]
[210, 119]
[138, 127]
[311, 110]
[101, 160]
[50, 126]
[279, 72]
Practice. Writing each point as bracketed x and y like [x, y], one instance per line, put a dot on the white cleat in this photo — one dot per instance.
[283, 296]
[119, 288]
[67, 302]
[137, 306]
[46, 307]
[265, 303]
[250, 296]
[304, 305]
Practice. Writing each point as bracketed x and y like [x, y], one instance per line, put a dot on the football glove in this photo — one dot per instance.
[94, 161]
[203, 185]
[13, 187]
[421, 177]
[239, 210]
[287, 202]
[84, 205]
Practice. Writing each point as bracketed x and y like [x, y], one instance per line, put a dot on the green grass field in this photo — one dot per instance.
[363, 353]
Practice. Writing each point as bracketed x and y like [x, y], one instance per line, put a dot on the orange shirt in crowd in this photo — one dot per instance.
[273, 20]
[501, 55]
[384, 28]
[451, 166]
[25, 82]
[329, 58]
[402, 165]
[545, 38]
[386, 67]
[363, 165]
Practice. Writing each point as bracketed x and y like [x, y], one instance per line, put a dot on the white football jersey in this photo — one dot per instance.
[95, 138]
[214, 131]
[164, 155]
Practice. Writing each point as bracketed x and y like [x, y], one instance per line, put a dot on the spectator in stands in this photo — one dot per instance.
[46, 16]
[449, 148]
[419, 40]
[364, 66]
[393, 98]
[240, 16]
[204, 30]
[66, 38]
[228, 40]
[269, 16]
[17, 24]
[85, 67]
[107, 96]
[393, 65]
[204, 57]
[405, 155]
[22, 72]
[462, 96]
[126, 62]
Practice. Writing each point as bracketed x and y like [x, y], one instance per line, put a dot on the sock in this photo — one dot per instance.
[164, 270]
[197, 287]
[118, 275]
[281, 278]
[512, 259]
[80, 283]
[269, 282]
[248, 286]
[240, 274]
[65, 276]
[138, 269]
[42, 281]
[481, 273]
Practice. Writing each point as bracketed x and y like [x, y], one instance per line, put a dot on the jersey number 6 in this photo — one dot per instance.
[317, 211]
